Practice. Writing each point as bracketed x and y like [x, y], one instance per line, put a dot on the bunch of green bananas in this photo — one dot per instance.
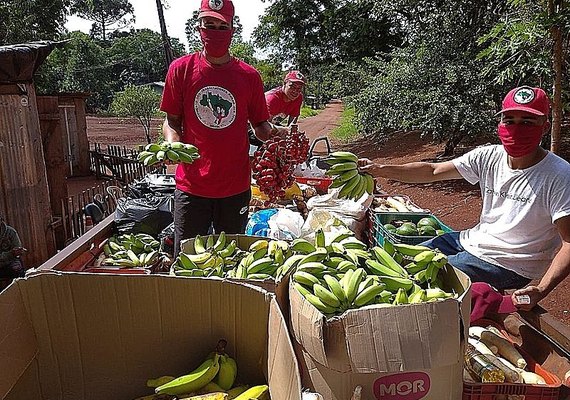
[344, 168]
[342, 275]
[210, 257]
[175, 152]
[213, 379]
[131, 250]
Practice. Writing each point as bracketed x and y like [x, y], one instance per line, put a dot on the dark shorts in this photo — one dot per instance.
[195, 215]
[477, 269]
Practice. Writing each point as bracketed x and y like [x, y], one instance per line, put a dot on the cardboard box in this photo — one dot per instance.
[417, 342]
[280, 287]
[93, 336]
[443, 383]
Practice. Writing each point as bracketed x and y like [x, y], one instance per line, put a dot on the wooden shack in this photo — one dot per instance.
[24, 190]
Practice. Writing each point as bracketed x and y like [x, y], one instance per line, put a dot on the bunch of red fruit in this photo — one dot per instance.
[275, 161]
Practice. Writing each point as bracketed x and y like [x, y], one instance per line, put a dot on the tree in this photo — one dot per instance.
[137, 57]
[433, 83]
[25, 21]
[140, 102]
[105, 14]
[81, 66]
[530, 45]
[311, 33]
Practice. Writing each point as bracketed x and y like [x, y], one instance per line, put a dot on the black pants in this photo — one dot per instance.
[194, 215]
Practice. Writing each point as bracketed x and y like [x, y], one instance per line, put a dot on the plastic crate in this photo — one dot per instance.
[494, 391]
[380, 233]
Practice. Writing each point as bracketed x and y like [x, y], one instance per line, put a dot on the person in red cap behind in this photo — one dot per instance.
[209, 99]
[523, 233]
[284, 102]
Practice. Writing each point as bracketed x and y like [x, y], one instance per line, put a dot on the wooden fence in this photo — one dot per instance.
[73, 208]
[118, 162]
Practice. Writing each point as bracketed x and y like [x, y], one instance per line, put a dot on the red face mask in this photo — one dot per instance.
[215, 41]
[520, 140]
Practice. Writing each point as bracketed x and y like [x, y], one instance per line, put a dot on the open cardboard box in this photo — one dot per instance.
[279, 287]
[414, 351]
[94, 336]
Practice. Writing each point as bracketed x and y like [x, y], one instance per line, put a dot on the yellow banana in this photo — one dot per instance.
[194, 380]
[319, 238]
[227, 374]
[316, 256]
[424, 256]
[259, 244]
[393, 283]
[220, 242]
[260, 392]
[302, 246]
[304, 278]
[410, 249]
[236, 391]
[154, 383]
[401, 297]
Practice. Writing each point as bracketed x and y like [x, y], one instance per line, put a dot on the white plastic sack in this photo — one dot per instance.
[309, 171]
[285, 225]
[330, 213]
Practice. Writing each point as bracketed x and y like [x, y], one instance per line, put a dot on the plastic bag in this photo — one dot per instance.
[149, 215]
[285, 225]
[331, 214]
[310, 170]
[258, 223]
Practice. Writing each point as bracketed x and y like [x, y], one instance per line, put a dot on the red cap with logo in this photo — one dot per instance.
[526, 98]
[295, 76]
[486, 300]
[220, 9]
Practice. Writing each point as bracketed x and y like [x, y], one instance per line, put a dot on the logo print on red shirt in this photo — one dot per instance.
[215, 107]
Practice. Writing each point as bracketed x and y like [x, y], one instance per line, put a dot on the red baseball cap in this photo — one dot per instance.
[220, 9]
[295, 76]
[526, 98]
[486, 300]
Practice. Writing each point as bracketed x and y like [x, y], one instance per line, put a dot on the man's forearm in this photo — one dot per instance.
[416, 172]
[172, 130]
[558, 270]
[263, 131]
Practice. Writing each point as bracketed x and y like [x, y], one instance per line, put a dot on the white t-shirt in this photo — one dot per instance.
[516, 229]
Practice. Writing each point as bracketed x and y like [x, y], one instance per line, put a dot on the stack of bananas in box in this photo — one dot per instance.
[175, 152]
[344, 168]
[213, 379]
[264, 259]
[131, 250]
[343, 275]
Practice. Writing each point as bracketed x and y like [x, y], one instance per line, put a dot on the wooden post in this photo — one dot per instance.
[25, 200]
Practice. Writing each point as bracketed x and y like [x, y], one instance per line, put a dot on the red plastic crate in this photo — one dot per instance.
[496, 391]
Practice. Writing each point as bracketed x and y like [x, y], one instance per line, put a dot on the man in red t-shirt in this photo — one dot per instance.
[286, 101]
[209, 98]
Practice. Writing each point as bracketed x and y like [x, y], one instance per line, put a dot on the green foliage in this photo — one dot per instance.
[137, 57]
[311, 33]
[140, 102]
[25, 21]
[105, 14]
[80, 66]
[307, 112]
[346, 130]
[433, 84]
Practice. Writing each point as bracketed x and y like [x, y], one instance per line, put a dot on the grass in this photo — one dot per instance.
[346, 130]
[307, 111]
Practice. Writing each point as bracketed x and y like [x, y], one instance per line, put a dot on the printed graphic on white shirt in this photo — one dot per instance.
[215, 107]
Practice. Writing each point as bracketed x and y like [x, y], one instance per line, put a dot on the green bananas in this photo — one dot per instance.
[195, 380]
[131, 251]
[344, 168]
[176, 152]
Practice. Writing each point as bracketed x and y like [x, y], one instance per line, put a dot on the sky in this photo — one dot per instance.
[176, 15]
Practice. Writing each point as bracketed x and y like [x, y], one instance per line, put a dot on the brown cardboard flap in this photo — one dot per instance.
[18, 346]
[377, 339]
[392, 339]
[103, 336]
[284, 379]
[307, 324]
